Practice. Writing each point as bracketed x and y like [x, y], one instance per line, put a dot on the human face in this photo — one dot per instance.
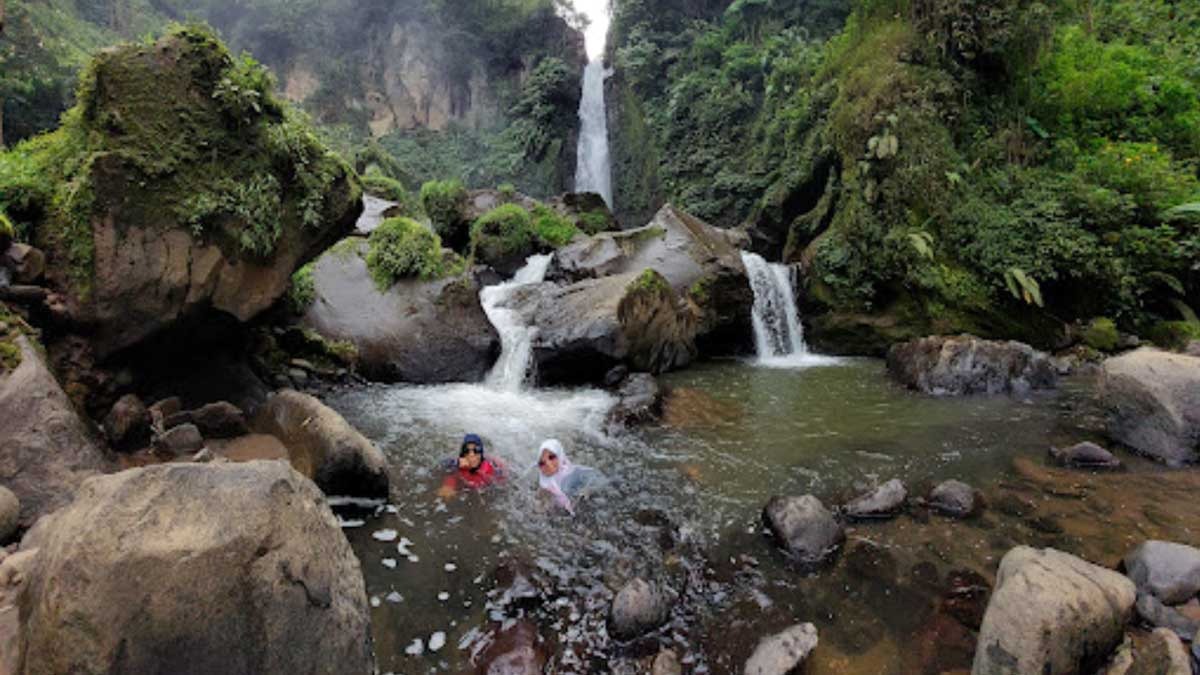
[548, 463]
[471, 458]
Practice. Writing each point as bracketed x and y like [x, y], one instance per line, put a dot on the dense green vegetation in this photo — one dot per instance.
[233, 165]
[402, 248]
[997, 167]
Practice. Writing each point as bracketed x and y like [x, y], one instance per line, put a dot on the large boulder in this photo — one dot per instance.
[784, 652]
[187, 568]
[954, 366]
[189, 218]
[417, 331]
[1166, 570]
[1052, 613]
[46, 448]
[323, 446]
[1151, 401]
[803, 525]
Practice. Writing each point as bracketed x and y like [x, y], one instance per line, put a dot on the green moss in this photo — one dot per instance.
[552, 229]
[303, 290]
[502, 233]
[1174, 334]
[402, 248]
[444, 202]
[13, 327]
[594, 222]
[1101, 334]
[379, 185]
[649, 281]
[701, 291]
[7, 232]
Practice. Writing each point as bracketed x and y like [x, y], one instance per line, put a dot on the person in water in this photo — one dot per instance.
[565, 481]
[473, 470]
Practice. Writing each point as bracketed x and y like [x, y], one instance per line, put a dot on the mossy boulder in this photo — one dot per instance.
[1101, 334]
[445, 202]
[402, 248]
[503, 238]
[178, 187]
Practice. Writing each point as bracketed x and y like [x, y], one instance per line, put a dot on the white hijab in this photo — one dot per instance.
[553, 484]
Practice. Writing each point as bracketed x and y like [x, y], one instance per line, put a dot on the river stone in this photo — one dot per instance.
[1151, 402]
[638, 608]
[220, 420]
[639, 399]
[955, 499]
[196, 568]
[26, 262]
[1155, 613]
[666, 663]
[10, 513]
[1169, 571]
[323, 446]
[184, 439]
[46, 449]
[884, 501]
[805, 527]
[424, 332]
[784, 652]
[127, 424]
[1161, 654]
[1084, 456]
[1051, 612]
[955, 366]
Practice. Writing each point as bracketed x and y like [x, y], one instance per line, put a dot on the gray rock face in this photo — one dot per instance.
[955, 366]
[183, 439]
[1151, 402]
[638, 400]
[220, 420]
[46, 449]
[1155, 613]
[955, 499]
[10, 513]
[638, 608]
[782, 653]
[232, 568]
[1051, 613]
[1084, 456]
[418, 331]
[127, 425]
[805, 527]
[884, 501]
[1166, 570]
[323, 446]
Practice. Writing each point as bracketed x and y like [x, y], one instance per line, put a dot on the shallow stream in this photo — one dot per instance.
[684, 508]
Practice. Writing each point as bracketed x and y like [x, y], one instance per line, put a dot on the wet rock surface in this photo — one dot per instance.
[181, 439]
[323, 446]
[955, 499]
[215, 554]
[220, 420]
[1084, 456]
[1166, 570]
[885, 501]
[46, 448]
[806, 529]
[1151, 610]
[127, 425]
[1151, 402]
[955, 366]
[784, 652]
[417, 331]
[639, 400]
[638, 608]
[1052, 612]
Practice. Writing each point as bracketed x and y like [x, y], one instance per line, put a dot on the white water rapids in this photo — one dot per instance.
[778, 333]
[516, 338]
[593, 172]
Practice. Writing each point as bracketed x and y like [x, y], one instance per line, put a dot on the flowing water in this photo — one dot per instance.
[516, 338]
[593, 173]
[683, 507]
[778, 333]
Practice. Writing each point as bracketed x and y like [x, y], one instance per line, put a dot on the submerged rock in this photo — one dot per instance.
[805, 527]
[1051, 613]
[639, 400]
[46, 448]
[220, 420]
[955, 499]
[1166, 570]
[1084, 456]
[323, 446]
[418, 331]
[955, 366]
[196, 568]
[638, 608]
[884, 501]
[784, 652]
[1151, 402]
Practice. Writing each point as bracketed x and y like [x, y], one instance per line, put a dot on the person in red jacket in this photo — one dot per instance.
[473, 470]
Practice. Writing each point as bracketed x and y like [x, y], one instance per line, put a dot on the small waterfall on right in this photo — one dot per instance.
[778, 333]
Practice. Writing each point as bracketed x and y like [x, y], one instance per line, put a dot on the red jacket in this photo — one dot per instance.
[484, 476]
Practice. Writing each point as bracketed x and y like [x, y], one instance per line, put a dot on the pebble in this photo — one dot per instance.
[389, 563]
[443, 596]
[394, 597]
[416, 648]
[450, 567]
[437, 641]
[413, 559]
[385, 535]
[375, 602]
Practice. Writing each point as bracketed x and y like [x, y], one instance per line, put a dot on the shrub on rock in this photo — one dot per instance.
[503, 237]
[189, 568]
[445, 202]
[402, 248]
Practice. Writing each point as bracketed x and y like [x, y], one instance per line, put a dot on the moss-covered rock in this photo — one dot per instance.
[402, 248]
[178, 186]
[445, 202]
[1101, 334]
[503, 237]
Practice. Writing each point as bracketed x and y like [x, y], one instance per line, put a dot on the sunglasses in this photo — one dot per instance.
[550, 457]
[470, 450]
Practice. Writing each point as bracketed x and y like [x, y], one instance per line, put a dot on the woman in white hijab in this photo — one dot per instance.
[562, 479]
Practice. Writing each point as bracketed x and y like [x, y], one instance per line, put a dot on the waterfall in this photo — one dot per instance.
[778, 333]
[516, 338]
[592, 172]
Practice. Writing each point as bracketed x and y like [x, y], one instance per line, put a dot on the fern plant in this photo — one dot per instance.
[1023, 286]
